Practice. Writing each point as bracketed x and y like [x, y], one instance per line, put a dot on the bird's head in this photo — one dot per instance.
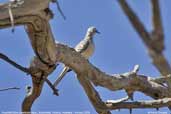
[92, 31]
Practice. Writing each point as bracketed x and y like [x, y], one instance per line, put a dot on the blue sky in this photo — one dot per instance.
[118, 49]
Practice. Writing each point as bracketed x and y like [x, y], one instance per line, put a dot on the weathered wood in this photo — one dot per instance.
[35, 16]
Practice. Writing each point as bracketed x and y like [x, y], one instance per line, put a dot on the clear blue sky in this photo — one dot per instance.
[118, 49]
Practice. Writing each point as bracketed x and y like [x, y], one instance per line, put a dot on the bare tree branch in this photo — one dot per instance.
[38, 28]
[154, 46]
[158, 40]
[59, 8]
[161, 80]
[38, 78]
[128, 81]
[5, 58]
[32, 95]
[118, 100]
[140, 104]
[26, 8]
[156, 17]
[27, 70]
[93, 95]
[10, 88]
[136, 23]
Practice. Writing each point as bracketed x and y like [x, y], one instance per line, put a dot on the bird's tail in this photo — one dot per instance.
[61, 76]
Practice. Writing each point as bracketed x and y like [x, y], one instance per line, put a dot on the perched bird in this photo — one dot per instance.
[85, 47]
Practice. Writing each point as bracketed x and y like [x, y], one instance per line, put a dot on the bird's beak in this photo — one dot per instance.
[97, 32]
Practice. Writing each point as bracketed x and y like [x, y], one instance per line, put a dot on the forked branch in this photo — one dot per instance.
[27, 71]
[153, 41]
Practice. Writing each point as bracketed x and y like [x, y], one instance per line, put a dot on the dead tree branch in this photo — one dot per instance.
[93, 95]
[5, 58]
[154, 45]
[48, 53]
[136, 23]
[128, 81]
[37, 26]
[10, 88]
[156, 18]
[140, 104]
[27, 71]
[32, 95]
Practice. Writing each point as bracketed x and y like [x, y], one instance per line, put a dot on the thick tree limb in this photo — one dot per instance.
[38, 77]
[32, 95]
[157, 36]
[28, 7]
[136, 23]
[156, 18]
[139, 104]
[128, 81]
[93, 95]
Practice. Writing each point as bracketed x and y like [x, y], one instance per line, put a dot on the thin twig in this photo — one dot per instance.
[59, 8]
[11, 17]
[10, 88]
[26, 70]
[5, 58]
[55, 91]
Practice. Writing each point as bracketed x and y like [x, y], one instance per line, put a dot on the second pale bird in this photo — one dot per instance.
[85, 47]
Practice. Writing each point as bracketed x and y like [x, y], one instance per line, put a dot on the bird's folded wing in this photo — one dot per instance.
[82, 46]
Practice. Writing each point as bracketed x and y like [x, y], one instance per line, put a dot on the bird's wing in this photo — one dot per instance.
[60, 77]
[82, 46]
